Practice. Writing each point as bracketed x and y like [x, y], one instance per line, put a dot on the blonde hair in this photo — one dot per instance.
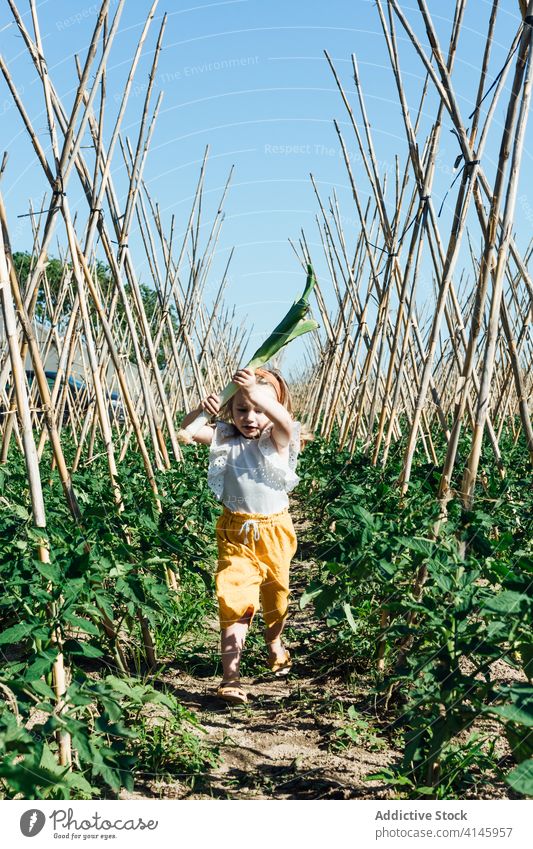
[277, 382]
[264, 377]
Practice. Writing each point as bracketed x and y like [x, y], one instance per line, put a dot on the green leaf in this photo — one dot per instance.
[513, 713]
[508, 602]
[313, 590]
[48, 570]
[420, 545]
[78, 782]
[41, 666]
[389, 776]
[81, 744]
[42, 688]
[49, 762]
[521, 778]
[359, 512]
[325, 599]
[19, 511]
[444, 582]
[77, 647]
[292, 325]
[520, 741]
[46, 707]
[121, 685]
[16, 633]
[83, 624]
[349, 616]
[109, 775]
[387, 568]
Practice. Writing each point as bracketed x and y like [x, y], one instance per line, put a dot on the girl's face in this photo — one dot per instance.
[248, 418]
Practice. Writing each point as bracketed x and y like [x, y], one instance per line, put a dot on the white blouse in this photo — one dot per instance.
[249, 475]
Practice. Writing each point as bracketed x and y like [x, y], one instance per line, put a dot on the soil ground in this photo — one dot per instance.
[288, 742]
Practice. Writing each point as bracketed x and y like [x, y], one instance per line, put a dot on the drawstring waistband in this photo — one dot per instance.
[251, 521]
[234, 515]
[249, 525]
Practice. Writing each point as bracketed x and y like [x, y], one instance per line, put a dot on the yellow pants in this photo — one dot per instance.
[254, 554]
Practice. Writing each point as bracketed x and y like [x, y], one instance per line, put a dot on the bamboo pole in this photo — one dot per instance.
[522, 80]
[34, 481]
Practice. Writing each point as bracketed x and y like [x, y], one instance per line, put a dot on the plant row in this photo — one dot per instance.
[106, 575]
[438, 603]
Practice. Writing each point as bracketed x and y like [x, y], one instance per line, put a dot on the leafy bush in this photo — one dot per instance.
[105, 575]
[436, 599]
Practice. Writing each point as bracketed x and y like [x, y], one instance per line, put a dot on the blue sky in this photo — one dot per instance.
[250, 79]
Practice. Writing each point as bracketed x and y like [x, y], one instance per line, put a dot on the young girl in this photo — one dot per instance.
[251, 469]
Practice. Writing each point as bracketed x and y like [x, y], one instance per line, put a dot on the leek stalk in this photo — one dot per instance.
[294, 324]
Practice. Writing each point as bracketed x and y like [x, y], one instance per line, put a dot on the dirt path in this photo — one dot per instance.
[285, 743]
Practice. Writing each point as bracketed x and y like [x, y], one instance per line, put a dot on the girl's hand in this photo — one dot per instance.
[211, 404]
[245, 379]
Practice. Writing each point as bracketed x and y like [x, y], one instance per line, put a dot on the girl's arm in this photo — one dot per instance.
[211, 405]
[262, 397]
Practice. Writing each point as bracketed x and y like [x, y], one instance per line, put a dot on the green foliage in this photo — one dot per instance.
[28, 768]
[521, 778]
[441, 600]
[292, 325]
[355, 731]
[111, 566]
[464, 770]
[56, 271]
[169, 746]
[438, 608]
[513, 707]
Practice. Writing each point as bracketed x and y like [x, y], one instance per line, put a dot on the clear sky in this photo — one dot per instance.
[250, 80]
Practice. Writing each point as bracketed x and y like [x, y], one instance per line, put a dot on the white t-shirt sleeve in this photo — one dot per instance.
[282, 468]
[219, 451]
